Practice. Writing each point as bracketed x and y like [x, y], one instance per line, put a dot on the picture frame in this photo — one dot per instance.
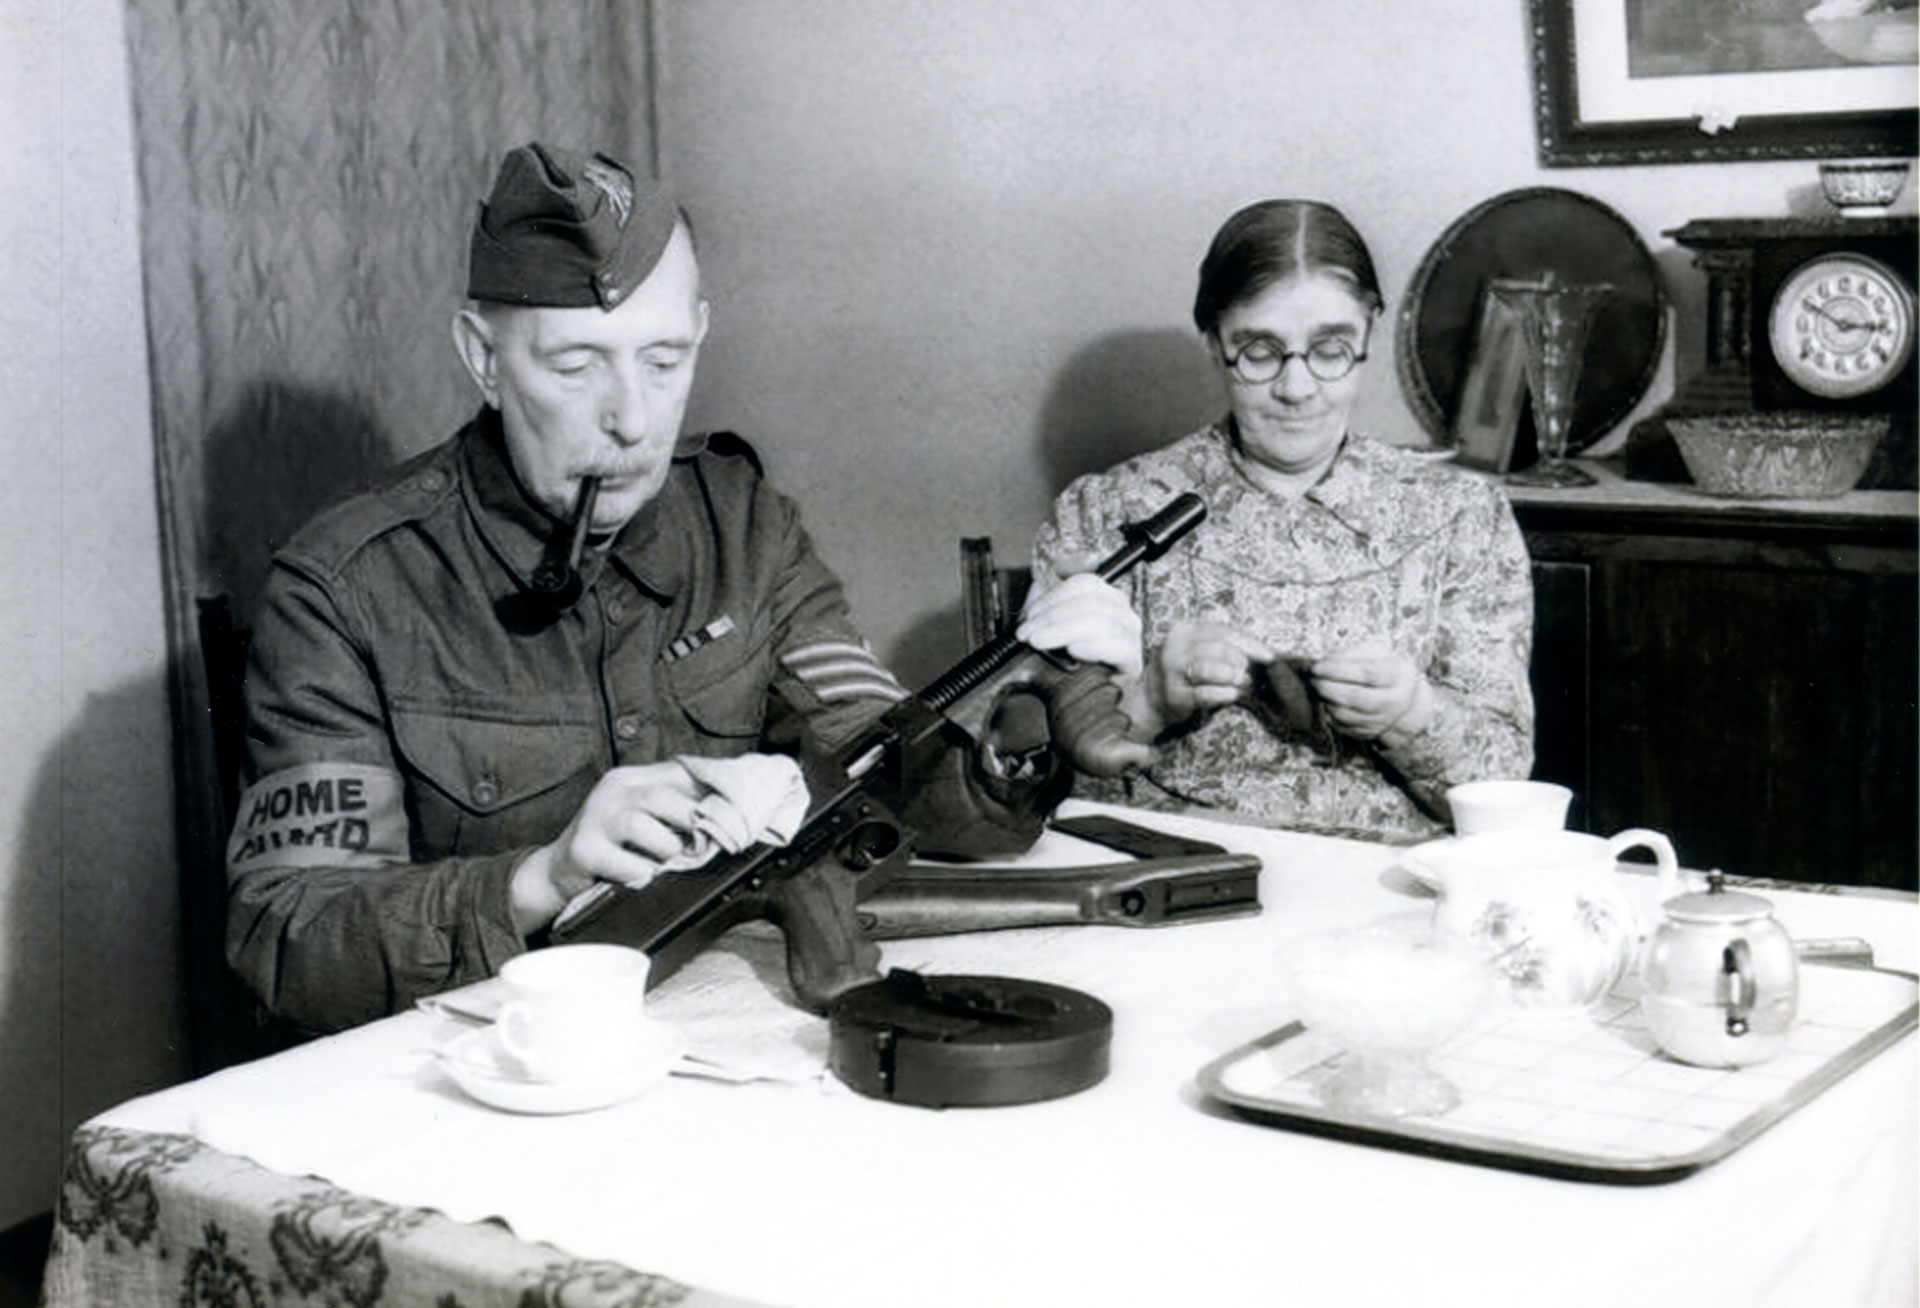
[1493, 393]
[1691, 81]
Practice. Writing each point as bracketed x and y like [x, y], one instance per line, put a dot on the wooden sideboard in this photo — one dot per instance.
[1741, 675]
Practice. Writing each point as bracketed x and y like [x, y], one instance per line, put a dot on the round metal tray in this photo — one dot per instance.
[1526, 233]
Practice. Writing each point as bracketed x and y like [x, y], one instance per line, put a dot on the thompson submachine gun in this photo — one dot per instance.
[858, 830]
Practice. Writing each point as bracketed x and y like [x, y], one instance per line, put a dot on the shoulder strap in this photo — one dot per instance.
[732, 445]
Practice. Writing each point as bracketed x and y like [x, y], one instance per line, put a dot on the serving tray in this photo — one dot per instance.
[1587, 1097]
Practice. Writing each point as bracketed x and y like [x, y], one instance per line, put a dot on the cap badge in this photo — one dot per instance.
[612, 183]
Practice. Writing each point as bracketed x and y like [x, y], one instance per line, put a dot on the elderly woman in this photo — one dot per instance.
[1347, 634]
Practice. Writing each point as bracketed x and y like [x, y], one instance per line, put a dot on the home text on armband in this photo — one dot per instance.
[320, 813]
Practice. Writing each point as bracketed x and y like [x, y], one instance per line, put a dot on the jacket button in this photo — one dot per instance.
[433, 481]
[485, 791]
[627, 727]
[616, 611]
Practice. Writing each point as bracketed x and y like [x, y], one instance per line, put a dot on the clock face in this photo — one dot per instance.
[1841, 325]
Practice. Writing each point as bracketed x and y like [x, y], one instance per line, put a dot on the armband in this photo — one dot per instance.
[320, 815]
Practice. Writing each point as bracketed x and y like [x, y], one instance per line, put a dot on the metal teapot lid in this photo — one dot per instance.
[1718, 904]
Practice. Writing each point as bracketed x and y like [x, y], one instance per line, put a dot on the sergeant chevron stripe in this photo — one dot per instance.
[836, 669]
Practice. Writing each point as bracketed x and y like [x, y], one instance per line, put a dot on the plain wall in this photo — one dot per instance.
[90, 953]
[952, 245]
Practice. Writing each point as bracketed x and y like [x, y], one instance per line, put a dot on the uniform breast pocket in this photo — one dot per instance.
[479, 784]
[717, 696]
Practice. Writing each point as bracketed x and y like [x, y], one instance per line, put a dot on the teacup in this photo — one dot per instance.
[1501, 805]
[573, 1012]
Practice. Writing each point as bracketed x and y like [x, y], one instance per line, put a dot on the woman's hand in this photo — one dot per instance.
[1202, 665]
[1372, 691]
[1088, 618]
[633, 820]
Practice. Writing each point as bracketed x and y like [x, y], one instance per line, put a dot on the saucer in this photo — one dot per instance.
[480, 1067]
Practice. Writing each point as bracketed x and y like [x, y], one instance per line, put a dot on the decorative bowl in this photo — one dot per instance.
[1777, 455]
[1386, 993]
[1863, 187]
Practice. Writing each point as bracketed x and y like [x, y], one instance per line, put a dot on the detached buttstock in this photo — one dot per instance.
[931, 901]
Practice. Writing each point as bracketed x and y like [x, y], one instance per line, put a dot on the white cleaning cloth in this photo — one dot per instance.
[754, 798]
[737, 802]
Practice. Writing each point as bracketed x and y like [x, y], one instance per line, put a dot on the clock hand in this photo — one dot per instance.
[1844, 324]
[1851, 325]
[1820, 309]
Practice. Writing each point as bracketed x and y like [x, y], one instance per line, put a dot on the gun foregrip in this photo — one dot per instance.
[1090, 724]
[827, 954]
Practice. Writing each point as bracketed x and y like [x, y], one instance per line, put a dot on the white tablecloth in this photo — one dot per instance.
[1135, 1192]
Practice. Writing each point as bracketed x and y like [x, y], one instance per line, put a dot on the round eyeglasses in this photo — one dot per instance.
[1262, 359]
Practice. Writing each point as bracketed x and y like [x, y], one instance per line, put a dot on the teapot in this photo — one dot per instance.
[1721, 978]
[1550, 907]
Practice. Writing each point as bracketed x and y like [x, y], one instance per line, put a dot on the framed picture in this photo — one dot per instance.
[1494, 391]
[1689, 81]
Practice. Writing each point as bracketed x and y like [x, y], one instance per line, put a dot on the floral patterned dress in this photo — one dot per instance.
[1386, 544]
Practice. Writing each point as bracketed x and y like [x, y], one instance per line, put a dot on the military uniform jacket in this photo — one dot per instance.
[418, 721]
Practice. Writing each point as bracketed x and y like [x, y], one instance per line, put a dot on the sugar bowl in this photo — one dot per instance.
[1721, 981]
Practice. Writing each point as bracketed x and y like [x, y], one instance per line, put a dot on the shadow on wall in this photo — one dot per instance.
[932, 644]
[1121, 395]
[274, 459]
[92, 1010]
[282, 452]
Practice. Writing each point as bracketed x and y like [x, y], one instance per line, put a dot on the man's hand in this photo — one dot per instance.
[1372, 691]
[1088, 618]
[1203, 665]
[634, 819]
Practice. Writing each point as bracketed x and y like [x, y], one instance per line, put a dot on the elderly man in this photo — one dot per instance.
[469, 686]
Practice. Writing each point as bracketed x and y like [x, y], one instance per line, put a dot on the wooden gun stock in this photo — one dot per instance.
[933, 901]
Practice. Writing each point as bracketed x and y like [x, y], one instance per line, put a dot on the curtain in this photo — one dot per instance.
[309, 172]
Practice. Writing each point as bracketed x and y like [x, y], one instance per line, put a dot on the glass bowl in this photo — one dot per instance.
[1386, 994]
[1777, 454]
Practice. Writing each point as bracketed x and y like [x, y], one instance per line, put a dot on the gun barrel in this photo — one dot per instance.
[1147, 541]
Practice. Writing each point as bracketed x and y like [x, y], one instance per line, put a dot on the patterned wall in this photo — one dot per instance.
[309, 170]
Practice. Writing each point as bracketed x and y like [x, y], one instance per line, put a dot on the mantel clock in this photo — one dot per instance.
[1805, 315]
